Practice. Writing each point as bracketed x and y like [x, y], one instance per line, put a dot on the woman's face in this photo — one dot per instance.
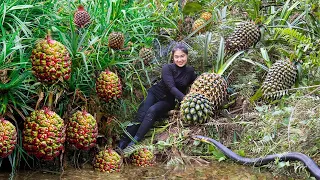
[180, 58]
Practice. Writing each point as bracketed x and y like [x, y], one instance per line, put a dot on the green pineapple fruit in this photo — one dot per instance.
[82, 130]
[281, 76]
[8, 138]
[44, 134]
[245, 35]
[116, 40]
[50, 61]
[195, 109]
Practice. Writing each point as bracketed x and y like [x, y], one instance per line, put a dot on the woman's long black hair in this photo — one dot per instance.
[181, 47]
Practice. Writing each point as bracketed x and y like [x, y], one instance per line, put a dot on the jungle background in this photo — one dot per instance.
[246, 123]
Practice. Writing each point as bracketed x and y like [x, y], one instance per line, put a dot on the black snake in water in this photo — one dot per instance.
[311, 165]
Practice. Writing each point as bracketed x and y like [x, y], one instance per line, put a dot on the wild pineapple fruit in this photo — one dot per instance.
[50, 61]
[206, 16]
[187, 25]
[81, 17]
[197, 23]
[44, 134]
[108, 161]
[147, 55]
[108, 86]
[116, 40]
[281, 76]
[195, 109]
[82, 130]
[8, 138]
[212, 86]
[245, 35]
[142, 157]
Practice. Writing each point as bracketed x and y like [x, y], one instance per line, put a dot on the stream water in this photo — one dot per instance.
[216, 170]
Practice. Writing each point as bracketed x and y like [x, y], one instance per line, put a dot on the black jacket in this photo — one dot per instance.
[174, 82]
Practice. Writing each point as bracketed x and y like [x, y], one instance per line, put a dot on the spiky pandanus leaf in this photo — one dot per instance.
[44, 134]
[108, 161]
[116, 40]
[50, 61]
[142, 157]
[195, 109]
[81, 17]
[245, 35]
[108, 86]
[8, 138]
[82, 130]
[212, 86]
[281, 76]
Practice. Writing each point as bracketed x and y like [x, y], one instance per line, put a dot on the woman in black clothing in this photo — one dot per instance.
[175, 79]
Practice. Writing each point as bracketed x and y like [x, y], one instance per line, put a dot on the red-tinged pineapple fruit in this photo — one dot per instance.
[108, 86]
[8, 138]
[81, 17]
[50, 61]
[44, 134]
[82, 130]
[142, 157]
[108, 161]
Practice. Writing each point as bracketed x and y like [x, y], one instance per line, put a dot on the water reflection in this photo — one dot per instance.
[221, 171]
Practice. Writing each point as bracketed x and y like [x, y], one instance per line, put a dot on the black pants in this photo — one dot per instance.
[150, 110]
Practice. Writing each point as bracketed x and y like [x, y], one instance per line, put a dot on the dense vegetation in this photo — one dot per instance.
[253, 120]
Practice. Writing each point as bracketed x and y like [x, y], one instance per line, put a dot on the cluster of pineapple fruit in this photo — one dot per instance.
[110, 161]
[45, 132]
[206, 94]
[209, 90]
[115, 39]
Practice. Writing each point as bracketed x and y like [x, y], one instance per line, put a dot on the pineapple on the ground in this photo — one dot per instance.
[50, 61]
[206, 16]
[44, 134]
[245, 35]
[197, 23]
[108, 86]
[281, 76]
[116, 40]
[212, 86]
[81, 17]
[8, 138]
[147, 55]
[195, 109]
[82, 130]
[142, 157]
[108, 161]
